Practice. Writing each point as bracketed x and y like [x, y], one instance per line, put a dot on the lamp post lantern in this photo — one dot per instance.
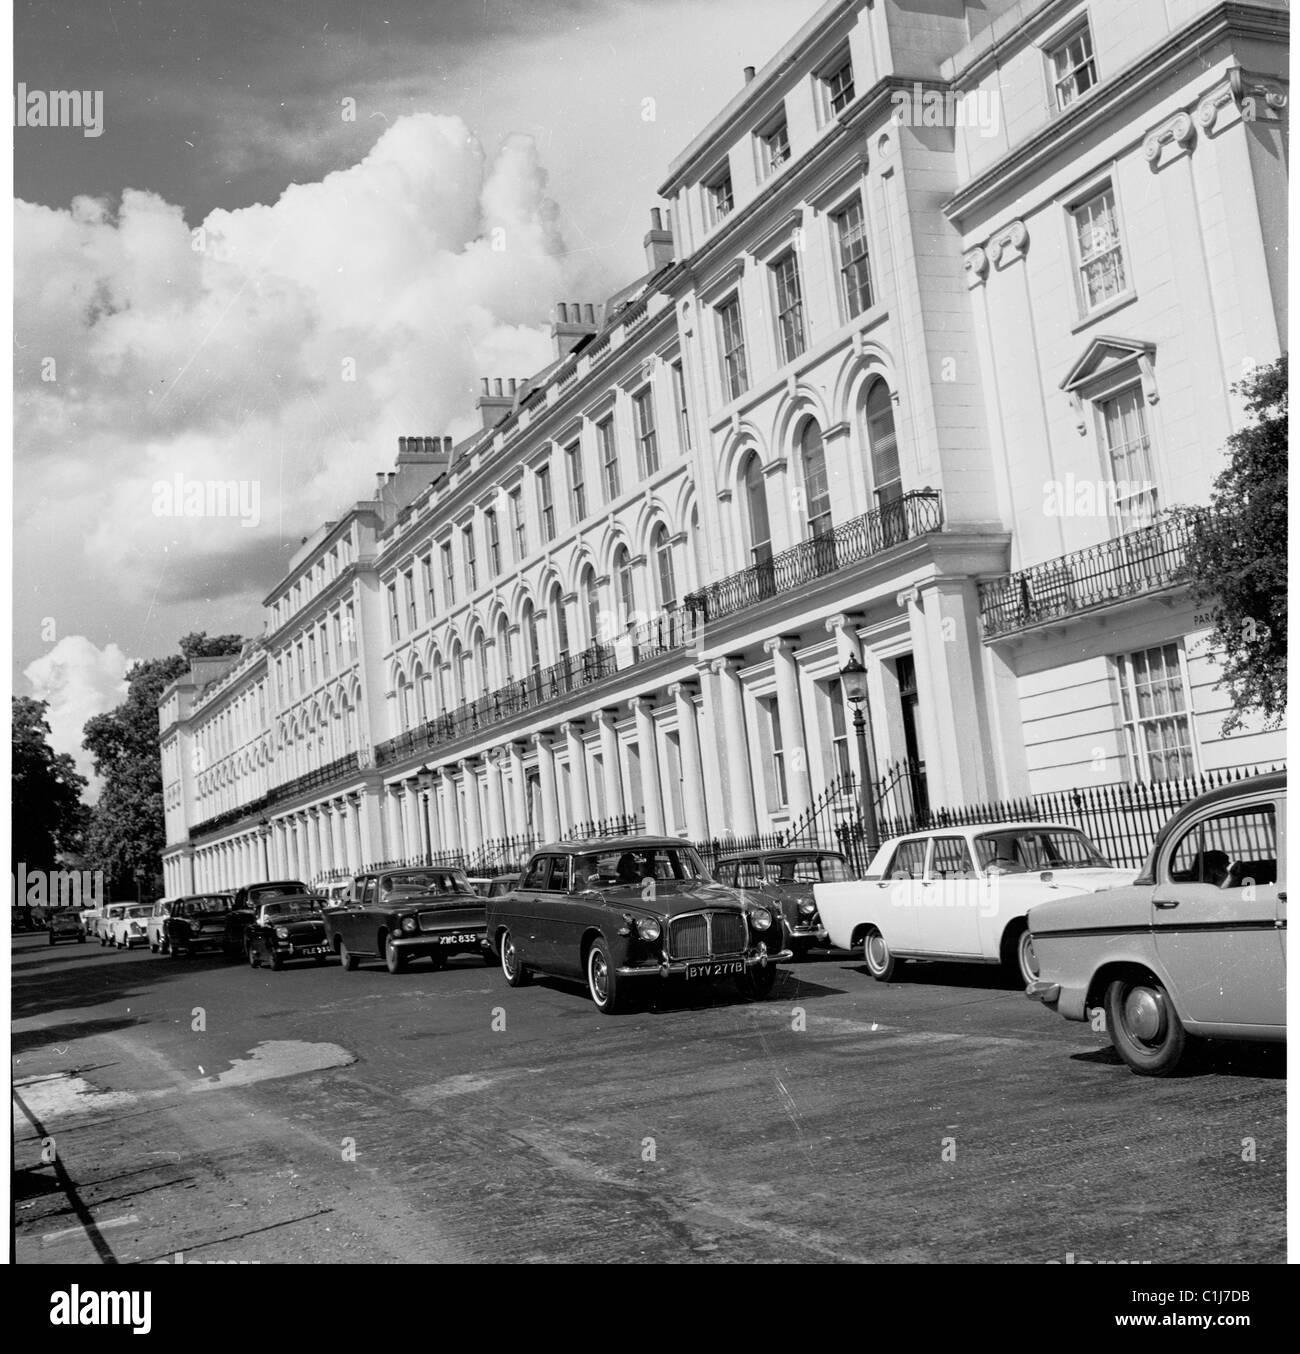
[854, 677]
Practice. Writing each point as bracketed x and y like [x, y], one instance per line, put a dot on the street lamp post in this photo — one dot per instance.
[854, 677]
[264, 833]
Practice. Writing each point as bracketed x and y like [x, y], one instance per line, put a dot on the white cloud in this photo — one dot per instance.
[79, 681]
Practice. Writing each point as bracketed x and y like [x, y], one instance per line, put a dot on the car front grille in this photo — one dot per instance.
[706, 935]
[452, 919]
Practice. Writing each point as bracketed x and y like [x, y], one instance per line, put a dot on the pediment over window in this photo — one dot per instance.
[1105, 356]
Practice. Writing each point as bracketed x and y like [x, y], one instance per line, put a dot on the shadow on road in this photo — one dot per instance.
[1209, 1057]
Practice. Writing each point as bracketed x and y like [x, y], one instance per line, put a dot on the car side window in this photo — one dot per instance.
[909, 860]
[561, 875]
[951, 859]
[368, 893]
[535, 877]
[1228, 850]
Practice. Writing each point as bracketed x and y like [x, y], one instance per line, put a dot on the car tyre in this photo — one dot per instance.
[602, 979]
[253, 960]
[438, 959]
[516, 975]
[757, 983]
[393, 957]
[347, 960]
[878, 957]
[1143, 1025]
[274, 959]
[1019, 962]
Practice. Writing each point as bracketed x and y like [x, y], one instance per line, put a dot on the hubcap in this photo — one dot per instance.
[877, 952]
[508, 957]
[599, 976]
[1028, 959]
[1144, 1013]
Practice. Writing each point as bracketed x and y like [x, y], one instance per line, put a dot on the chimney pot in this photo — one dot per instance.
[496, 387]
[486, 391]
[562, 312]
[656, 219]
[591, 313]
[511, 389]
[401, 446]
[749, 74]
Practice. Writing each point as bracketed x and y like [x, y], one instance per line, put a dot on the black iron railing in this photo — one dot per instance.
[1145, 560]
[917, 513]
[340, 769]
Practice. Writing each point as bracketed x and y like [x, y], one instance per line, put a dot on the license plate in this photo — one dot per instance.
[458, 940]
[312, 949]
[728, 968]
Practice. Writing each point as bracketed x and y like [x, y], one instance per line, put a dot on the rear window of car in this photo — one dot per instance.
[1228, 850]
[806, 870]
[415, 882]
[292, 907]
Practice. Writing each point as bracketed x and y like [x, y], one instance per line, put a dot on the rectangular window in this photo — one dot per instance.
[841, 763]
[577, 487]
[471, 559]
[609, 459]
[279, 680]
[408, 587]
[720, 198]
[545, 504]
[647, 441]
[789, 307]
[1074, 71]
[1133, 491]
[324, 641]
[855, 268]
[426, 584]
[394, 620]
[350, 626]
[493, 540]
[679, 402]
[735, 375]
[517, 523]
[1098, 250]
[1156, 714]
[770, 731]
[311, 655]
[448, 576]
[776, 147]
[838, 86]
[338, 639]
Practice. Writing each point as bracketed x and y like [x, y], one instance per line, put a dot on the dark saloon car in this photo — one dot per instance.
[250, 895]
[400, 915]
[786, 877]
[66, 925]
[205, 921]
[618, 910]
[287, 928]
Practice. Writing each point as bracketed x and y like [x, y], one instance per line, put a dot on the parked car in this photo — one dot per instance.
[480, 883]
[1195, 946]
[962, 894]
[205, 921]
[112, 913]
[283, 929]
[400, 915]
[502, 883]
[156, 926]
[129, 929]
[248, 896]
[337, 893]
[65, 924]
[786, 877]
[618, 910]
[90, 917]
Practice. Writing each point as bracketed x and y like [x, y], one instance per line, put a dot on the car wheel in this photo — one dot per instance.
[515, 973]
[879, 958]
[393, 957]
[153, 949]
[758, 982]
[489, 958]
[177, 951]
[53, 941]
[438, 959]
[1019, 961]
[602, 978]
[274, 959]
[253, 960]
[1144, 1026]
[347, 960]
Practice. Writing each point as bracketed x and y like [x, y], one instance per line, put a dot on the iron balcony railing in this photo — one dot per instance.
[917, 513]
[1145, 560]
[317, 778]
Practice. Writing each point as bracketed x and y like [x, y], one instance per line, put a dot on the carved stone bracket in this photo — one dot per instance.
[1009, 244]
[1177, 133]
[975, 263]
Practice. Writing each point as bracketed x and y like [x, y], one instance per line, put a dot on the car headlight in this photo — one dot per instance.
[282, 933]
[760, 918]
[409, 924]
[807, 909]
[648, 928]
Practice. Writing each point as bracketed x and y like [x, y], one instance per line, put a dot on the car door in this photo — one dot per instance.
[896, 904]
[354, 924]
[563, 914]
[1215, 914]
[526, 922]
[948, 914]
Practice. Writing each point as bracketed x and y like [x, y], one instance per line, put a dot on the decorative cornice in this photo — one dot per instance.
[1177, 132]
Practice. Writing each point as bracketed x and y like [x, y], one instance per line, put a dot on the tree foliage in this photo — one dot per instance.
[48, 815]
[1237, 553]
[127, 830]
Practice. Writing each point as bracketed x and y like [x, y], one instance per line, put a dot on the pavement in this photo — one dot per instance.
[198, 1110]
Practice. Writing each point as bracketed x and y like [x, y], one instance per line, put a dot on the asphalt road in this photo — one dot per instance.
[200, 1109]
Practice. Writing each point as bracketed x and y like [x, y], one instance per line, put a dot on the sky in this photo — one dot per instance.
[301, 230]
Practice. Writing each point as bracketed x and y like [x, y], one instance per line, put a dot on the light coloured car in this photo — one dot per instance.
[961, 894]
[129, 930]
[112, 913]
[90, 920]
[1196, 946]
[156, 927]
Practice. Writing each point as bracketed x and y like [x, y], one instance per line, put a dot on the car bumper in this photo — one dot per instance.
[808, 931]
[669, 968]
[197, 943]
[442, 942]
[307, 949]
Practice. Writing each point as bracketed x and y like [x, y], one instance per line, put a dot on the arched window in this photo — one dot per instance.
[561, 623]
[534, 654]
[457, 674]
[623, 584]
[505, 652]
[886, 479]
[467, 683]
[760, 532]
[591, 595]
[817, 487]
[403, 703]
[481, 665]
[663, 553]
[427, 707]
[697, 549]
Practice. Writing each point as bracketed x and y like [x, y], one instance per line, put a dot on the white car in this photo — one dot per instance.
[155, 928]
[104, 922]
[962, 894]
[128, 930]
[90, 920]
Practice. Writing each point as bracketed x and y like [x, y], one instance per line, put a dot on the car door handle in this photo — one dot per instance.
[1166, 902]
[1281, 897]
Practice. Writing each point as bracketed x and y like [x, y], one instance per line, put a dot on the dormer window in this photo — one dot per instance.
[1074, 69]
[720, 197]
[838, 85]
[775, 142]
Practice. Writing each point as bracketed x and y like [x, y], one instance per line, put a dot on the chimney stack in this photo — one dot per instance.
[573, 322]
[493, 404]
[749, 74]
[659, 241]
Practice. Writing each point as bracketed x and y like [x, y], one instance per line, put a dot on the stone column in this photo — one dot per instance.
[648, 744]
[609, 755]
[518, 791]
[788, 704]
[352, 828]
[473, 808]
[572, 731]
[393, 825]
[550, 802]
[451, 806]
[688, 734]
[429, 819]
[495, 803]
[744, 822]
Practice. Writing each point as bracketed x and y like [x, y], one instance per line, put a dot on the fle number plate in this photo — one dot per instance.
[728, 968]
[312, 949]
[459, 940]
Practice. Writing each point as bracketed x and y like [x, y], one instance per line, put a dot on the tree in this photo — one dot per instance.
[127, 830]
[48, 815]
[1236, 558]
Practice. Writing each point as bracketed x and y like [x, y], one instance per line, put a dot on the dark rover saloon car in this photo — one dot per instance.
[786, 876]
[615, 911]
[286, 928]
[399, 915]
